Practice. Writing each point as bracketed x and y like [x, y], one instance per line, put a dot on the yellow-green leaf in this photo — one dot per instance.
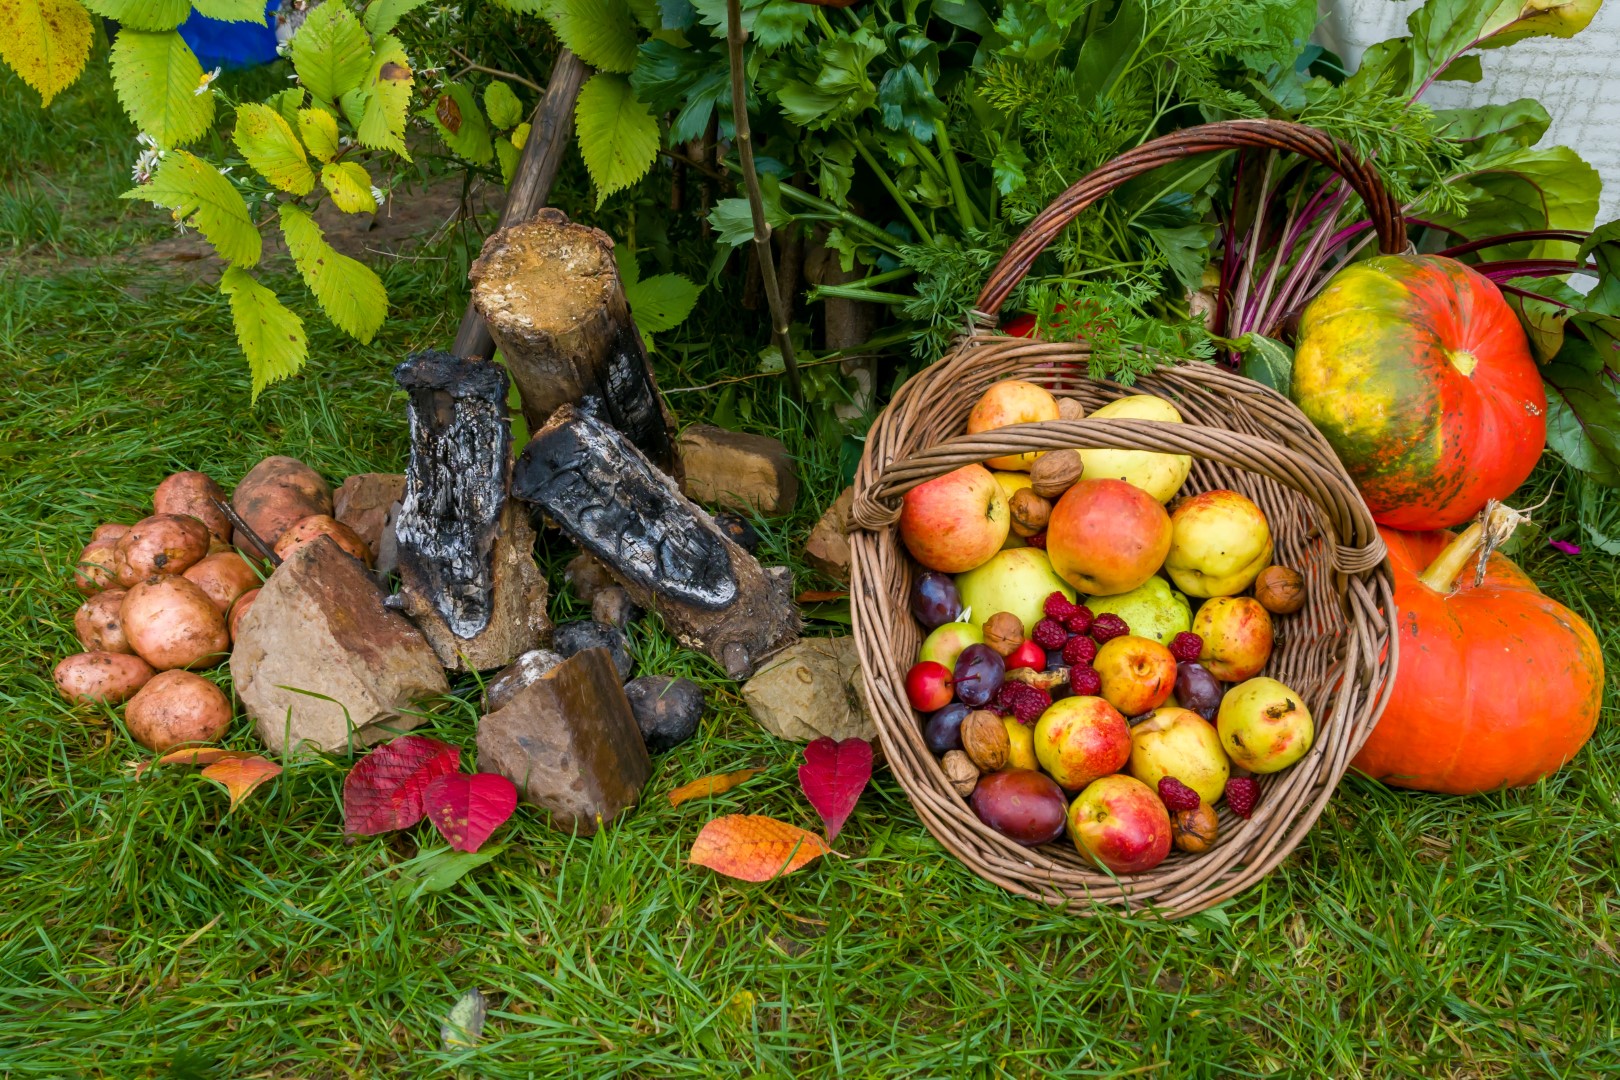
[350, 187]
[231, 10]
[271, 337]
[618, 136]
[381, 16]
[520, 135]
[287, 102]
[502, 105]
[320, 133]
[330, 52]
[508, 155]
[455, 114]
[351, 295]
[156, 78]
[196, 191]
[600, 32]
[382, 123]
[143, 14]
[45, 42]
[269, 145]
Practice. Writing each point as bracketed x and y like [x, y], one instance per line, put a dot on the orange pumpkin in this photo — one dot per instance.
[1498, 685]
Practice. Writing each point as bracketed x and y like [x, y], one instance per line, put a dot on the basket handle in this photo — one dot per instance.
[1362, 177]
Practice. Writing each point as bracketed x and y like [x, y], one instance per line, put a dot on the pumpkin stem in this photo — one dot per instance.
[1494, 525]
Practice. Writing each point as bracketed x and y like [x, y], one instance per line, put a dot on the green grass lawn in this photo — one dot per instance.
[144, 931]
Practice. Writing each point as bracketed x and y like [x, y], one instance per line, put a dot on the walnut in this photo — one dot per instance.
[985, 741]
[1070, 409]
[1029, 512]
[1055, 472]
[960, 771]
[1280, 590]
[1195, 830]
[1004, 632]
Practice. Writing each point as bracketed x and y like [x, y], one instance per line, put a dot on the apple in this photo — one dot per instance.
[1160, 475]
[1182, 744]
[1107, 537]
[1138, 674]
[1012, 483]
[1081, 738]
[946, 643]
[1021, 744]
[1152, 609]
[1237, 637]
[956, 521]
[1027, 655]
[1008, 402]
[1119, 823]
[1017, 581]
[928, 686]
[1220, 543]
[1264, 726]
[1022, 805]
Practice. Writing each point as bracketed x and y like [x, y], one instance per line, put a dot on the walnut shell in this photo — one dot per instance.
[1004, 632]
[1280, 590]
[985, 741]
[1195, 831]
[1070, 409]
[1029, 512]
[1055, 472]
[960, 771]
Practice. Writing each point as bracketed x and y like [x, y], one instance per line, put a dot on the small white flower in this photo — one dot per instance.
[205, 83]
[146, 140]
[146, 165]
[344, 140]
[225, 170]
[378, 196]
[293, 77]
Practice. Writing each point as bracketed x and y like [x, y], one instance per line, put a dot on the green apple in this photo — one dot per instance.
[1017, 580]
[946, 643]
[1152, 610]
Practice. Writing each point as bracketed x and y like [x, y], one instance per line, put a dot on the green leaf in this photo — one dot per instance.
[1583, 413]
[388, 97]
[733, 220]
[836, 170]
[349, 292]
[618, 136]
[330, 52]
[624, 260]
[1489, 130]
[350, 187]
[1532, 188]
[1007, 163]
[456, 117]
[671, 78]
[287, 102]
[269, 145]
[46, 42]
[437, 873]
[661, 302]
[156, 79]
[600, 32]
[195, 190]
[251, 11]
[841, 88]
[381, 16]
[147, 15]
[1266, 361]
[508, 156]
[320, 132]
[779, 23]
[1442, 31]
[271, 337]
[502, 105]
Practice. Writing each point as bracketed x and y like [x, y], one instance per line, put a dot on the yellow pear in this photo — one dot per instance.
[1160, 475]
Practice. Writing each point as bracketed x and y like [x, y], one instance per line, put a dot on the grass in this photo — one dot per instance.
[145, 931]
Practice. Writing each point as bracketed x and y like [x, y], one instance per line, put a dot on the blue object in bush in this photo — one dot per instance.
[232, 44]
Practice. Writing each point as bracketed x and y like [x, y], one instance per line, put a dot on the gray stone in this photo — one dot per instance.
[811, 689]
[667, 710]
[572, 637]
[362, 501]
[613, 607]
[587, 576]
[319, 660]
[730, 468]
[532, 665]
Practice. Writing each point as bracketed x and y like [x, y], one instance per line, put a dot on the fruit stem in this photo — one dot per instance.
[1494, 525]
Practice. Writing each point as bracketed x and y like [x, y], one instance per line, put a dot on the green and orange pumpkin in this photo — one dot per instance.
[1417, 371]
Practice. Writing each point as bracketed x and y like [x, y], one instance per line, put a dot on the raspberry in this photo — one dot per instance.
[1080, 621]
[1058, 606]
[1084, 680]
[1176, 795]
[1186, 647]
[1079, 651]
[1049, 634]
[1006, 696]
[1036, 541]
[1030, 704]
[1242, 792]
[1106, 628]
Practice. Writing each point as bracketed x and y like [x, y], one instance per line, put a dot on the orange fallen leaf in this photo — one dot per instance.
[755, 848]
[821, 596]
[202, 755]
[240, 776]
[711, 785]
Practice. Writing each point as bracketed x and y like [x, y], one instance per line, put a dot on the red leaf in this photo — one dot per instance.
[754, 848]
[383, 791]
[833, 776]
[466, 809]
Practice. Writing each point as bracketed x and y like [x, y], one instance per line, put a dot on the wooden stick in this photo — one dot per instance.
[531, 183]
[756, 201]
[266, 552]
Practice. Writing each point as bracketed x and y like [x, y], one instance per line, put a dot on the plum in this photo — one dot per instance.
[1198, 690]
[1023, 805]
[943, 730]
[934, 600]
[978, 675]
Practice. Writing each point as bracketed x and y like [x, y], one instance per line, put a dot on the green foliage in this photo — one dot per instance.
[618, 136]
[382, 16]
[600, 32]
[271, 148]
[46, 42]
[271, 337]
[350, 187]
[157, 78]
[331, 52]
[502, 106]
[231, 10]
[388, 96]
[148, 15]
[455, 115]
[658, 303]
[320, 133]
[198, 195]
[348, 291]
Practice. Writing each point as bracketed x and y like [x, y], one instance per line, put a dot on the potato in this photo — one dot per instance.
[276, 494]
[111, 531]
[172, 623]
[223, 577]
[176, 708]
[240, 609]
[323, 525]
[96, 568]
[101, 676]
[193, 493]
[160, 544]
[99, 624]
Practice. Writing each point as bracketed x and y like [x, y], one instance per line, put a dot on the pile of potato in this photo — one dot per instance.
[167, 594]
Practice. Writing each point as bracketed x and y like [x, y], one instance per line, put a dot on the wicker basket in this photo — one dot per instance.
[1337, 651]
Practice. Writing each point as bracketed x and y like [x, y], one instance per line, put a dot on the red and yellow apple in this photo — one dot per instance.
[1179, 743]
[1081, 738]
[1138, 674]
[1237, 637]
[1220, 543]
[955, 522]
[1012, 401]
[1016, 581]
[1118, 822]
[1264, 726]
[1106, 536]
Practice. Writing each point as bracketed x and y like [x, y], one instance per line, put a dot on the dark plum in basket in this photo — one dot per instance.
[1025, 806]
[978, 675]
[1198, 690]
[942, 731]
[934, 600]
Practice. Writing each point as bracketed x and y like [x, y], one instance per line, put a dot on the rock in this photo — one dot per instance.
[572, 637]
[740, 532]
[532, 665]
[612, 606]
[827, 549]
[587, 575]
[811, 689]
[362, 502]
[569, 742]
[319, 627]
[385, 556]
[730, 468]
[667, 710]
